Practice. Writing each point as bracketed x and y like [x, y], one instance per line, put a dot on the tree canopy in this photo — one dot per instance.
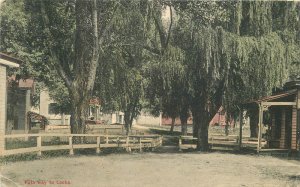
[176, 57]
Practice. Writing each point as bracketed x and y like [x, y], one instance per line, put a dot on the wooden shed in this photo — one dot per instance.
[5, 62]
[282, 111]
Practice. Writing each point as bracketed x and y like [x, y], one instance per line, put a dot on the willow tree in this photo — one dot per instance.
[120, 82]
[233, 57]
[164, 73]
[267, 48]
[67, 37]
[206, 68]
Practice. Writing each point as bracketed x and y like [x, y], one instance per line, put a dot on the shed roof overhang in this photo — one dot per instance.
[9, 61]
[271, 100]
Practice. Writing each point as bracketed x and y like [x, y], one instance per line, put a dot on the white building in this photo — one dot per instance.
[46, 109]
[5, 62]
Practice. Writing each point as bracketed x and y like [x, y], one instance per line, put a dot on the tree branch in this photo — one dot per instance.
[95, 53]
[170, 27]
[164, 37]
[54, 59]
[108, 27]
[161, 32]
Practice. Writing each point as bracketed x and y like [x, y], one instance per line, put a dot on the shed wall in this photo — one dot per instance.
[3, 89]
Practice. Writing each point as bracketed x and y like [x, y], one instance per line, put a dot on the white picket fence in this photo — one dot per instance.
[94, 141]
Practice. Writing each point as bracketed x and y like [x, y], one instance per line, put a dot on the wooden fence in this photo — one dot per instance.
[93, 141]
[218, 141]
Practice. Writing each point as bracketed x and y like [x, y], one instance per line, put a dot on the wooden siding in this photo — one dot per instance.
[294, 129]
[282, 137]
[273, 127]
[2, 107]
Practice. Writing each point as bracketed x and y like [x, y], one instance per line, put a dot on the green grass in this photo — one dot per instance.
[17, 143]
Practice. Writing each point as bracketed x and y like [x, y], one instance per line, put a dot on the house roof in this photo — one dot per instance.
[95, 101]
[293, 84]
[22, 83]
[273, 97]
[9, 61]
[26, 83]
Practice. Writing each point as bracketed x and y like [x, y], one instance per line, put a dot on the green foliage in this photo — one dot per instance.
[205, 55]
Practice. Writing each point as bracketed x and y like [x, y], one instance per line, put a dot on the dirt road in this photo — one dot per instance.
[153, 169]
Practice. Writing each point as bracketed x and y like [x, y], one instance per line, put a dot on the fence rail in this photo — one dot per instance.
[99, 142]
[187, 142]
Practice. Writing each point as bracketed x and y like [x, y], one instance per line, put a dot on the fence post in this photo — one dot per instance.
[106, 139]
[128, 149]
[118, 141]
[71, 145]
[39, 145]
[161, 140]
[180, 143]
[2, 143]
[140, 141]
[98, 143]
[153, 143]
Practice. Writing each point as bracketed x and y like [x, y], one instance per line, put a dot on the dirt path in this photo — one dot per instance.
[151, 169]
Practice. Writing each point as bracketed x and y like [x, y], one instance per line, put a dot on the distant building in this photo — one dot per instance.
[19, 103]
[219, 119]
[47, 109]
[5, 62]
[95, 116]
[283, 125]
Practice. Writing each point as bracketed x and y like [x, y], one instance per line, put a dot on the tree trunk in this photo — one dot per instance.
[226, 128]
[183, 119]
[172, 125]
[200, 124]
[253, 114]
[127, 122]
[253, 125]
[184, 131]
[195, 126]
[203, 133]
[78, 115]
[184, 115]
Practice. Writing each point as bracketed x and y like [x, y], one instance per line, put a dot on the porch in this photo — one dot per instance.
[278, 120]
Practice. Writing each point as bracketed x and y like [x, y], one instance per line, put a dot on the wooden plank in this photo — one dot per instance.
[298, 99]
[188, 138]
[180, 143]
[98, 143]
[188, 146]
[223, 143]
[55, 147]
[109, 145]
[278, 103]
[144, 136]
[39, 145]
[140, 142]
[71, 152]
[223, 138]
[82, 146]
[260, 118]
[265, 150]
